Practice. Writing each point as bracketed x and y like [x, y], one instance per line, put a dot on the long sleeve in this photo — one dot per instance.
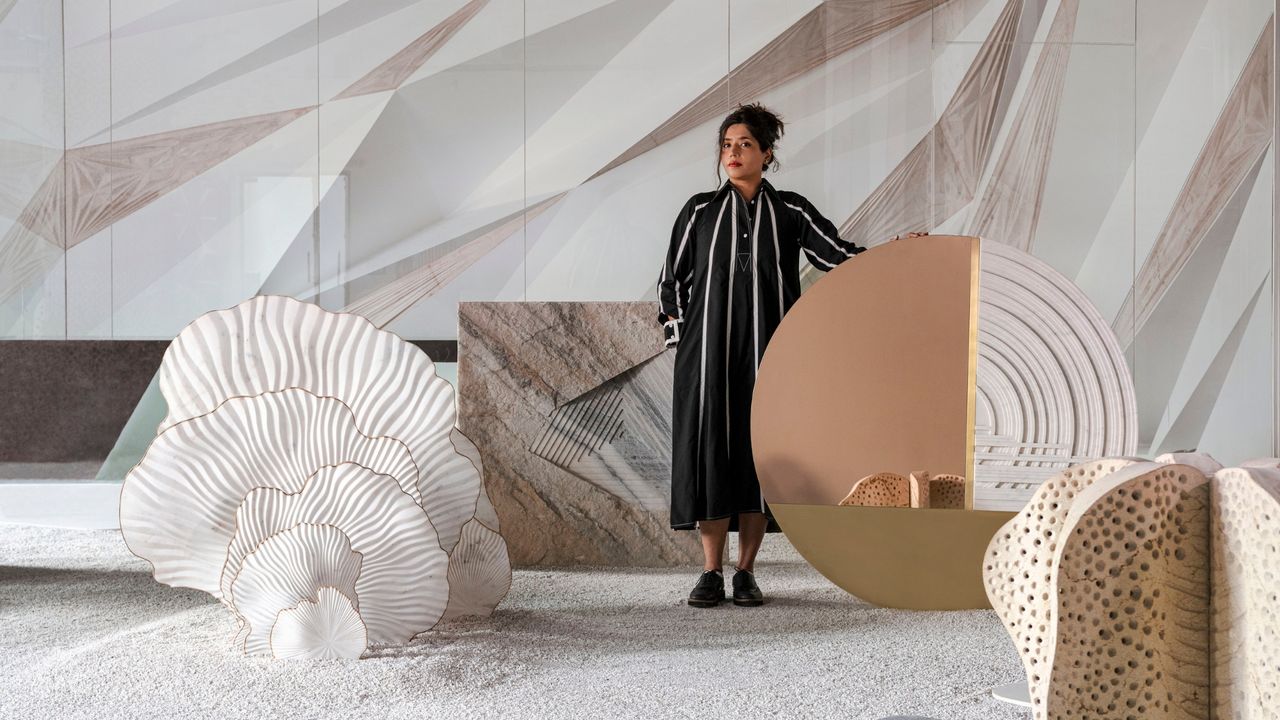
[818, 236]
[677, 272]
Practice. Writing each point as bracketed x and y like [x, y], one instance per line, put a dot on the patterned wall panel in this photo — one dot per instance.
[395, 159]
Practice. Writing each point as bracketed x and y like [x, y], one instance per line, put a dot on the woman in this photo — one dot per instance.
[732, 271]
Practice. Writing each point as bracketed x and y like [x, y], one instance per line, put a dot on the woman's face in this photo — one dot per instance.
[740, 154]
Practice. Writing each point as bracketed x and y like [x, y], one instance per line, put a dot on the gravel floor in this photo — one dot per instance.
[86, 633]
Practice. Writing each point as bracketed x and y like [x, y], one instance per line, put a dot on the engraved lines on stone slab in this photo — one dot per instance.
[616, 436]
[580, 427]
[1239, 138]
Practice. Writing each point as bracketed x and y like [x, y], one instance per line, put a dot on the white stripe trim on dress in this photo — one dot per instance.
[815, 258]
[755, 296]
[755, 280]
[679, 254]
[728, 321]
[777, 254]
[818, 230]
[702, 379]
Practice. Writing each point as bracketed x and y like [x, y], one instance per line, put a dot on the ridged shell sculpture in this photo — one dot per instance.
[309, 475]
[1121, 579]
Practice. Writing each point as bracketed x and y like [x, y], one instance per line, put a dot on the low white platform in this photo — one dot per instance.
[77, 505]
[1013, 693]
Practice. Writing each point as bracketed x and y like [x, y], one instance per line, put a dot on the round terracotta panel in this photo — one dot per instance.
[872, 371]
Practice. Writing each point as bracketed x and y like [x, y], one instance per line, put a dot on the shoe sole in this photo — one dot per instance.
[748, 603]
[705, 603]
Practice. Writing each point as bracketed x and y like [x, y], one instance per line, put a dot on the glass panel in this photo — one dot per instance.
[214, 143]
[1201, 308]
[32, 138]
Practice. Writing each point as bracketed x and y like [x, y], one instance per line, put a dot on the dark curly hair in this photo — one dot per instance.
[765, 126]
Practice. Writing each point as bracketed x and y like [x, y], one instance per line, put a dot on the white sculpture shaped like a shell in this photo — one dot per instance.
[485, 512]
[177, 504]
[285, 570]
[403, 585]
[479, 573]
[327, 628]
[269, 343]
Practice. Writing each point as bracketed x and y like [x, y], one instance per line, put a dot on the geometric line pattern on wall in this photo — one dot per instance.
[830, 29]
[390, 301]
[331, 24]
[110, 181]
[1176, 321]
[1053, 385]
[1184, 427]
[1239, 138]
[940, 175]
[34, 243]
[1010, 207]
[399, 67]
[107, 182]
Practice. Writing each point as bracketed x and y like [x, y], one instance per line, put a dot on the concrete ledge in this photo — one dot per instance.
[78, 505]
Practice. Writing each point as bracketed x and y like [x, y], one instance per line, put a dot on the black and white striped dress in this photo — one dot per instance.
[732, 271]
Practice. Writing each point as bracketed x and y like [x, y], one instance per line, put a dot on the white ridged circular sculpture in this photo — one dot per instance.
[309, 475]
[1053, 387]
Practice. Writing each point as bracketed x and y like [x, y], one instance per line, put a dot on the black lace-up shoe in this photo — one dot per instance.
[709, 591]
[745, 590]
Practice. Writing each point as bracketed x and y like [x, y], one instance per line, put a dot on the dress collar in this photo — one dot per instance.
[728, 187]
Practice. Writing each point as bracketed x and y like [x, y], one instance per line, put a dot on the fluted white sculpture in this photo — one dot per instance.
[310, 476]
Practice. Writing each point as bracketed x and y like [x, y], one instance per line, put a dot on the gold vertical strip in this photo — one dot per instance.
[975, 274]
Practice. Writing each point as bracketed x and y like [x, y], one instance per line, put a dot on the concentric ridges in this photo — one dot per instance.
[403, 583]
[328, 627]
[479, 572]
[177, 504]
[287, 568]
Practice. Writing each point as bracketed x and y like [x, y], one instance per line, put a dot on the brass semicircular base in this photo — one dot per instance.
[905, 558]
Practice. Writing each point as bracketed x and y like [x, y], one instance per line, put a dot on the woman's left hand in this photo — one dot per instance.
[909, 235]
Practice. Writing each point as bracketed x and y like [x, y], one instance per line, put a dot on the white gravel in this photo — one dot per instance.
[85, 632]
